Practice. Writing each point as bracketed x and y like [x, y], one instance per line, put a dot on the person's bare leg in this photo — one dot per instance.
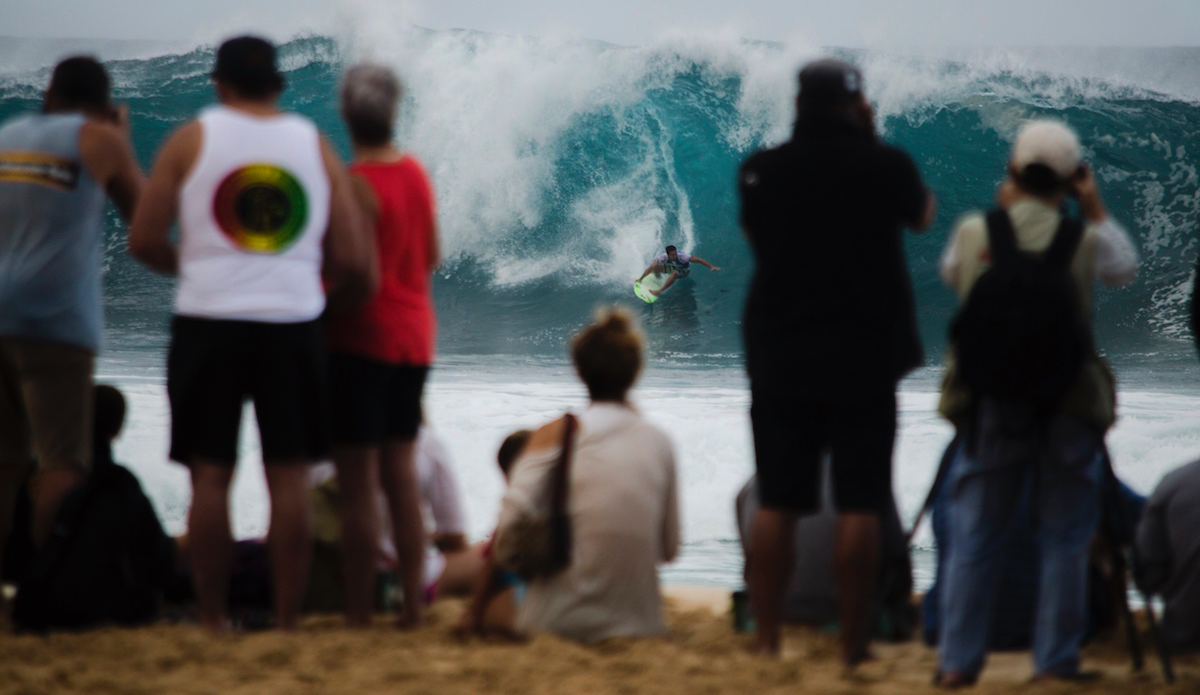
[463, 573]
[399, 475]
[358, 480]
[12, 474]
[856, 565]
[210, 540]
[53, 485]
[290, 537]
[770, 568]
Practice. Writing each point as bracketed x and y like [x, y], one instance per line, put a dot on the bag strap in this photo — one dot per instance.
[943, 470]
[563, 468]
[1002, 240]
[1066, 241]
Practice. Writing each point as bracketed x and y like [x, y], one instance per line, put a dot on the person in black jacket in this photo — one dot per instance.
[830, 328]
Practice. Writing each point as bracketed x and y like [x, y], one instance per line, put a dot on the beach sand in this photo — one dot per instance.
[701, 655]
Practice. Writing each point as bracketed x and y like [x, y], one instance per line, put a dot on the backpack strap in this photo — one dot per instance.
[1066, 241]
[1002, 240]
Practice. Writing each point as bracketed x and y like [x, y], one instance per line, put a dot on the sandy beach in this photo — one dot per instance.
[701, 655]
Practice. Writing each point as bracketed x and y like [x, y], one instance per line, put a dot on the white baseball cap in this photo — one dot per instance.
[1049, 143]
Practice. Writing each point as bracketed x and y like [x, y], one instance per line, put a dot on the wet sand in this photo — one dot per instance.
[701, 655]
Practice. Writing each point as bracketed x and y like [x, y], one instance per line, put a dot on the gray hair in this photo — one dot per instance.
[370, 94]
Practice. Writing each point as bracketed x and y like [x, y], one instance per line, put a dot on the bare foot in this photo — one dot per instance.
[859, 656]
[765, 646]
[953, 680]
[410, 619]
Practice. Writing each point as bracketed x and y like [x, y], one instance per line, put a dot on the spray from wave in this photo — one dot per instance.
[563, 166]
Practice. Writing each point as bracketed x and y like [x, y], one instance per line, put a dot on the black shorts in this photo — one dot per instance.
[790, 436]
[214, 366]
[374, 401]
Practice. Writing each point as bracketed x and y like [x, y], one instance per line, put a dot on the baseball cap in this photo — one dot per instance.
[1049, 143]
[830, 80]
[248, 63]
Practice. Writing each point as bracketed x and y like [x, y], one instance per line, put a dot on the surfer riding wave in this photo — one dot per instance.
[679, 265]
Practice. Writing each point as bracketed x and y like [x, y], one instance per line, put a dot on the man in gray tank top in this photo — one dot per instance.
[56, 169]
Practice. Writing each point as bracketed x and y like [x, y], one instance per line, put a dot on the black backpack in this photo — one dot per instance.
[106, 561]
[1022, 337]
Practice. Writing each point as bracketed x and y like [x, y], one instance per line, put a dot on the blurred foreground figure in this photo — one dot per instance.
[827, 342]
[56, 169]
[1030, 397]
[264, 209]
[1168, 553]
[381, 351]
[621, 499]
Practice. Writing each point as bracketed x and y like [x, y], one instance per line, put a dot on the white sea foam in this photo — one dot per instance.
[473, 404]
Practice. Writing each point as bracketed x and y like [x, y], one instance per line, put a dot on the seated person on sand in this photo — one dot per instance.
[451, 567]
[492, 610]
[811, 597]
[679, 265]
[1167, 550]
[620, 498]
[108, 560]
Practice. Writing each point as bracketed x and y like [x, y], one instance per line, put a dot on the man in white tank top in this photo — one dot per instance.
[266, 219]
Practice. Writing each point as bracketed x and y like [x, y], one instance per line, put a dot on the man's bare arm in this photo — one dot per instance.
[701, 261]
[108, 157]
[649, 269]
[351, 269]
[150, 231]
[928, 215]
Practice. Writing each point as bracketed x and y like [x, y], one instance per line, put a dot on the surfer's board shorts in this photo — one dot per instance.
[790, 436]
[373, 401]
[46, 403]
[680, 271]
[215, 366]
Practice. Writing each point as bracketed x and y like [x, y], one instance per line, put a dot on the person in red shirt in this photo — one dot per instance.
[380, 351]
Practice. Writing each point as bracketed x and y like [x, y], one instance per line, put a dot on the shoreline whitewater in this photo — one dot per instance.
[702, 654]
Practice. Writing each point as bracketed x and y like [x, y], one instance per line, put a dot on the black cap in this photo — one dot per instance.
[830, 80]
[248, 64]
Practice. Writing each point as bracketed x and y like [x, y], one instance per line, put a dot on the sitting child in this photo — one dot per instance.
[492, 610]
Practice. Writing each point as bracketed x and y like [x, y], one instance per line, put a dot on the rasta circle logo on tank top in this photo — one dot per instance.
[261, 208]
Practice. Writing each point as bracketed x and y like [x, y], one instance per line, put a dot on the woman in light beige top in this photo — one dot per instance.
[622, 501]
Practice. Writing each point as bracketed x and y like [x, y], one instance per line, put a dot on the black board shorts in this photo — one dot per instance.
[790, 435]
[215, 366]
[374, 401]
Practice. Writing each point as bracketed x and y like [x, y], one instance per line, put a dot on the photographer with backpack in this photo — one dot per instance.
[1025, 387]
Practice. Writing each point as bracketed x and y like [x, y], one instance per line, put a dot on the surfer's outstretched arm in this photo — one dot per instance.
[649, 270]
[701, 261]
[670, 281]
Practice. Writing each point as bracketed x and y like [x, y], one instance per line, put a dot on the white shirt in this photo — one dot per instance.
[1114, 259]
[624, 520]
[252, 218]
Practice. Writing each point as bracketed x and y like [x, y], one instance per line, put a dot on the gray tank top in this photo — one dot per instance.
[51, 234]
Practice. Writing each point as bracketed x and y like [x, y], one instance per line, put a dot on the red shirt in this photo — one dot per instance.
[397, 325]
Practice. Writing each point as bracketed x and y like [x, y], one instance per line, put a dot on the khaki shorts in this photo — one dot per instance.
[46, 403]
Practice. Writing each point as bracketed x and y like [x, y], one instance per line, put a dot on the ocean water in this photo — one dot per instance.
[562, 167]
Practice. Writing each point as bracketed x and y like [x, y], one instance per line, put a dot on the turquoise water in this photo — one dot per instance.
[562, 167]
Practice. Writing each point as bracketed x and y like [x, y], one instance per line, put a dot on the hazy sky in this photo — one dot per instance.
[853, 23]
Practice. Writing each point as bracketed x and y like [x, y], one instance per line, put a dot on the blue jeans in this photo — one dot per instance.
[1067, 461]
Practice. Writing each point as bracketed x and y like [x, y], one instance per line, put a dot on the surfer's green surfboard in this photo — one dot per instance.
[641, 288]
